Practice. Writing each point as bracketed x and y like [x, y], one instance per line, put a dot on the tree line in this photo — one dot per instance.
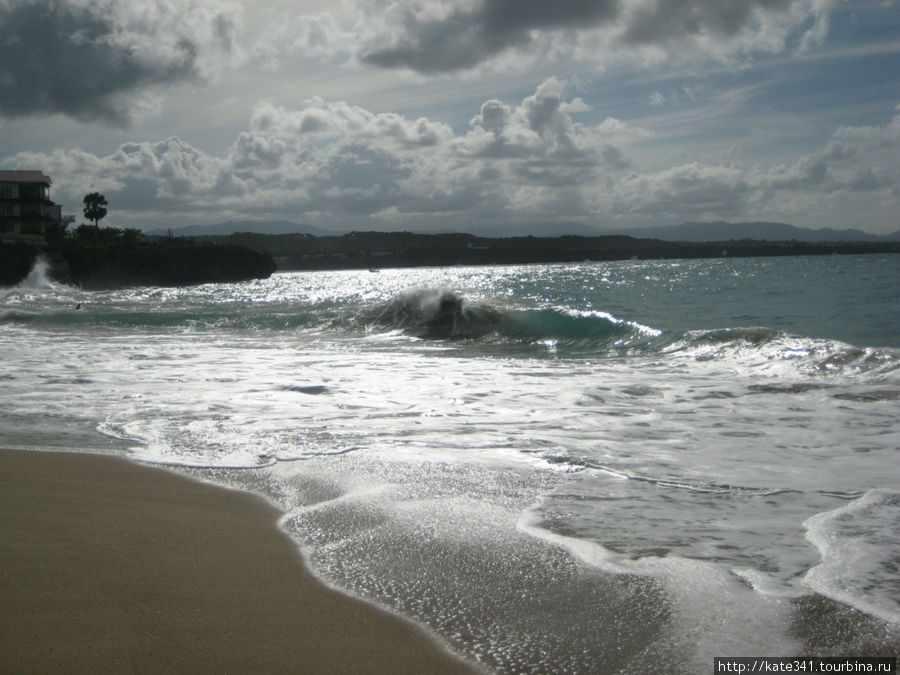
[95, 209]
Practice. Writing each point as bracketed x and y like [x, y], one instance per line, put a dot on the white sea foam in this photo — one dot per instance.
[715, 613]
[860, 548]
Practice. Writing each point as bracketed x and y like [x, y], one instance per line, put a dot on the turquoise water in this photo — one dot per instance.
[601, 467]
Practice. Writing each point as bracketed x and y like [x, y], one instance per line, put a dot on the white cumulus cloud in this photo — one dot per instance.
[338, 165]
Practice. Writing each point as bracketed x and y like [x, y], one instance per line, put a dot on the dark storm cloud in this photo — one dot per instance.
[671, 20]
[85, 60]
[466, 37]
[54, 58]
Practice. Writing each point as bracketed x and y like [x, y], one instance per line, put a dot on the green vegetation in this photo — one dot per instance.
[111, 257]
[95, 207]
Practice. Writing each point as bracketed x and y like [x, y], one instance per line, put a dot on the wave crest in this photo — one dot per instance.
[438, 314]
[443, 314]
[762, 348]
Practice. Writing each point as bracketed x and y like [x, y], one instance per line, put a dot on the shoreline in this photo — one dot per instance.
[240, 256]
[113, 566]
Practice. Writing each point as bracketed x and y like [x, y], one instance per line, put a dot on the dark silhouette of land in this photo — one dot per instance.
[161, 263]
[16, 261]
[127, 258]
[363, 250]
[115, 262]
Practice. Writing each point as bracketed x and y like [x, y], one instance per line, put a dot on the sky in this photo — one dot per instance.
[488, 116]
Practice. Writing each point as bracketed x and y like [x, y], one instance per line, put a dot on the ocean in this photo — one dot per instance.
[630, 466]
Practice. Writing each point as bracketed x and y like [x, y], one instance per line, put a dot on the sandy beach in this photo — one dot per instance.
[110, 566]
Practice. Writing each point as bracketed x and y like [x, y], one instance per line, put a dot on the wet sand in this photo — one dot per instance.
[109, 566]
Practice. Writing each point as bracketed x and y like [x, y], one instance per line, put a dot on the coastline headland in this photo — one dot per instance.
[141, 262]
[158, 261]
[361, 250]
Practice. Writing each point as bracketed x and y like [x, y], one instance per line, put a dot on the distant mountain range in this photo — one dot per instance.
[232, 226]
[722, 231]
[690, 232]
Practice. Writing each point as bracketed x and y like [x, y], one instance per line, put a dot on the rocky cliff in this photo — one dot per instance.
[114, 265]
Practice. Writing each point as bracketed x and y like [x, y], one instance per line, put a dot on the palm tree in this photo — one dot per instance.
[95, 207]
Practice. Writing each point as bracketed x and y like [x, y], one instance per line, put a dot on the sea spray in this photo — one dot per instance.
[38, 278]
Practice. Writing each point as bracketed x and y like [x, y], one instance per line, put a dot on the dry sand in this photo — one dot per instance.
[109, 566]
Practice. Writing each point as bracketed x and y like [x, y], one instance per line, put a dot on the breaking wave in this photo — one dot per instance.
[434, 314]
[38, 279]
[446, 315]
[443, 314]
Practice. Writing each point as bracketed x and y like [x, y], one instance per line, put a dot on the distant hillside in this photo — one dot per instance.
[232, 226]
[692, 232]
[722, 231]
[360, 250]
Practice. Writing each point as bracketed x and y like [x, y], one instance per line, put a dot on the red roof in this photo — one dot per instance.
[24, 177]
